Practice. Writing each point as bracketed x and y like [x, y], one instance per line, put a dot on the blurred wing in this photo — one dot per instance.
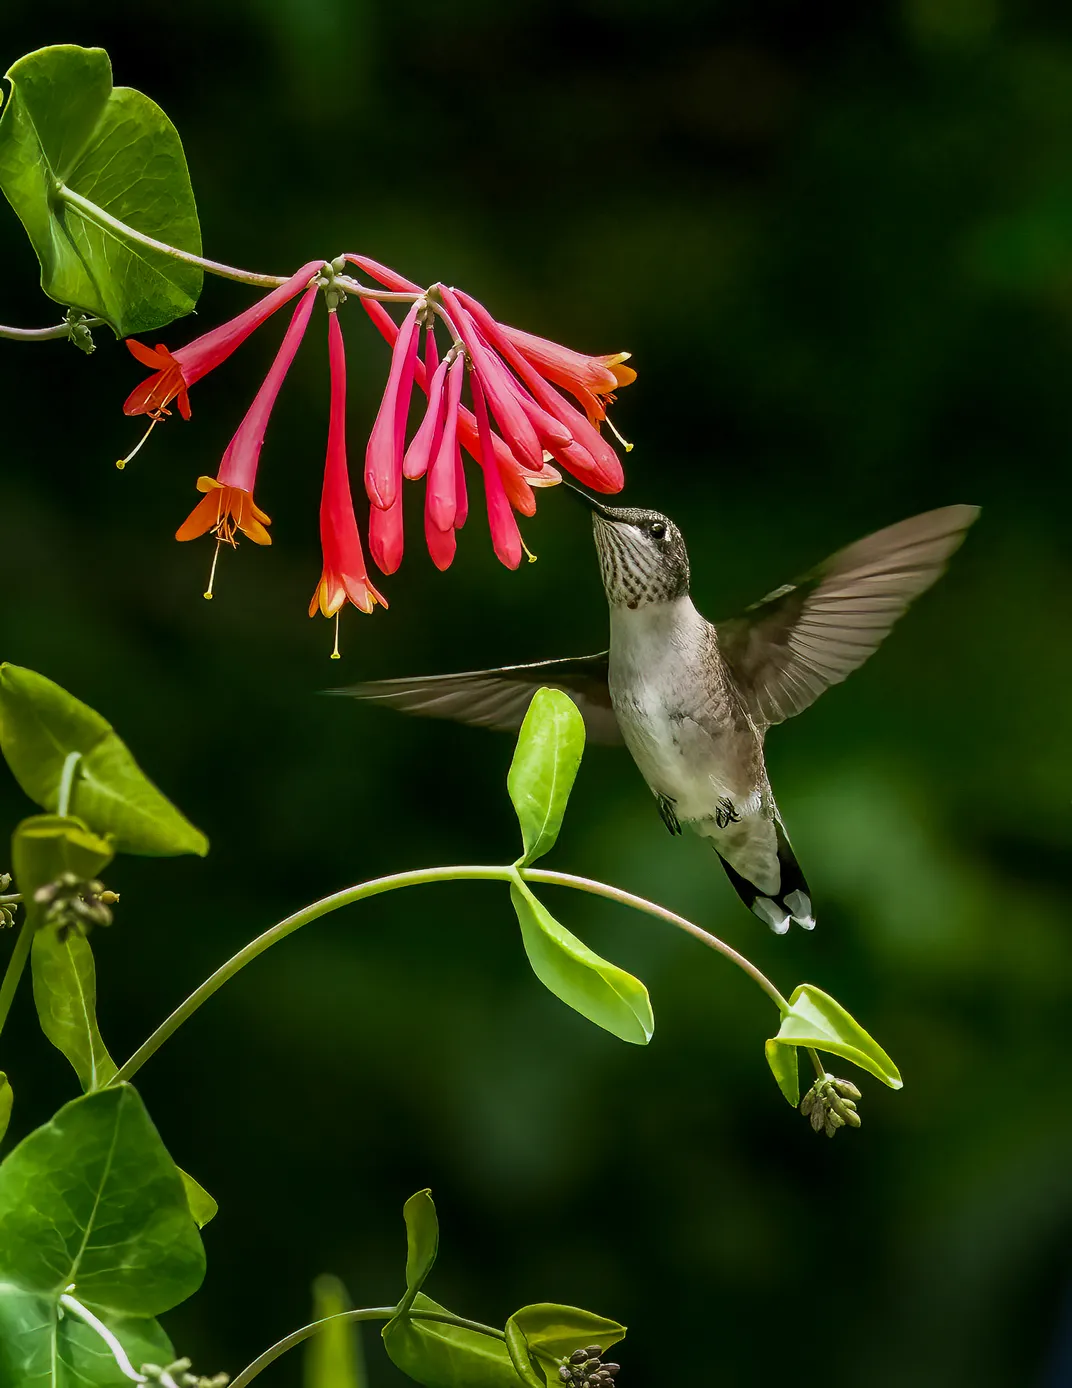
[802, 638]
[500, 698]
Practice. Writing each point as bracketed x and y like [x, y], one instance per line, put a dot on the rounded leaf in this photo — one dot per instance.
[65, 124]
[541, 1334]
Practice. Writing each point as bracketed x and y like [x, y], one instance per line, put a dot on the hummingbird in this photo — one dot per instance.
[691, 699]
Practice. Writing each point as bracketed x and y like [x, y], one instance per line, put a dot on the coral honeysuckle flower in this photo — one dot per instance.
[505, 536]
[228, 504]
[387, 442]
[175, 372]
[344, 578]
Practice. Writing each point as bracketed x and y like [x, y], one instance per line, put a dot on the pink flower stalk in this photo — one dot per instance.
[426, 440]
[442, 489]
[386, 445]
[389, 278]
[344, 578]
[175, 373]
[228, 503]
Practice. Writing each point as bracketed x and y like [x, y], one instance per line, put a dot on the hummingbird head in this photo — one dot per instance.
[642, 556]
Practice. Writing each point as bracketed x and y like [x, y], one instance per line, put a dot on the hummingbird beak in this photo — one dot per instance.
[590, 501]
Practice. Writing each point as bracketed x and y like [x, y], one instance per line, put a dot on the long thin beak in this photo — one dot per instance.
[589, 501]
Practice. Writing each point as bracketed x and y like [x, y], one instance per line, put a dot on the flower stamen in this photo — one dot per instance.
[335, 654]
[610, 425]
[212, 572]
[156, 419]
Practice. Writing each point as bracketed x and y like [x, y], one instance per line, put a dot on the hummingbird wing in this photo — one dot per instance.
[800, 639]
[500, 698]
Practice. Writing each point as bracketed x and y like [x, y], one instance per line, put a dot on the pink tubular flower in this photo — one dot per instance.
[505, 536]
[176, 372]
[386, 445]
[343, 578]
[228, 503]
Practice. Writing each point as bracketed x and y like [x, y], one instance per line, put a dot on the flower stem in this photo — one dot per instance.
[44, 334]
[15, 966]
[103, 219]
[416, 878]
[586, 884]
[118, 1353]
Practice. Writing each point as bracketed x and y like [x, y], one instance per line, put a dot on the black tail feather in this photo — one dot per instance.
[792, 900]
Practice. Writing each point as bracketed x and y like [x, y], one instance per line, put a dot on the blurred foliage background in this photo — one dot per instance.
[838, 241]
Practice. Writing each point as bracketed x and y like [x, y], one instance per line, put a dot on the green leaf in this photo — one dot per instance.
[64, 979]
[422, 1243]
[7, 1098]
[548, 753]
[783, 1063]
[91, 1200]
[65, 124]
[202, 1206]
[605, 994]
[537, 1335]
[333, 1358]
[440, 1355]
[815, 1019]
[41, 726]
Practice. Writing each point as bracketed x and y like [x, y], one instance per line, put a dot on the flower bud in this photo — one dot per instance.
[829, 1105]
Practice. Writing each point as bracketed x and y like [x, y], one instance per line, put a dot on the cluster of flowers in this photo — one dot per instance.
[518, 426]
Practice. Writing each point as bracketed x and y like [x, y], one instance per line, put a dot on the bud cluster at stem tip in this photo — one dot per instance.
[830, 1105]
[585, 1369]
[518, 426]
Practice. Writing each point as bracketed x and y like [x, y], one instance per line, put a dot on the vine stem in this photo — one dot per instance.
[367, 1313]
[44, 334]
[421, 877]
[96, 214]
[13, 973]
[103, 219]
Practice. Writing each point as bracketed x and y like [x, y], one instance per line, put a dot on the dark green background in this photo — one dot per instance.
[838, 240]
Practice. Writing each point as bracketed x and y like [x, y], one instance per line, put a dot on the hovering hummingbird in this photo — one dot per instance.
[692, 700]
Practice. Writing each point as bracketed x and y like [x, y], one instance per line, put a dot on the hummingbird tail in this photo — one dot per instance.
[792, 900]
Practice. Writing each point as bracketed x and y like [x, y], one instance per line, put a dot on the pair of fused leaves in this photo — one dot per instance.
[91, 1205]
[65, 126]
[817, 1021]
[548, 754]
[49, 738]
[439, 1354]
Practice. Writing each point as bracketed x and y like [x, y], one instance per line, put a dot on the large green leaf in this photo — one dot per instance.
[333, 1358]
[605, 994]
[548, 753]
[446, 1356]
[93, 1203]
[65, 124]
[64, 979]
[537, 1336]
[42, 727]
[815, 1019]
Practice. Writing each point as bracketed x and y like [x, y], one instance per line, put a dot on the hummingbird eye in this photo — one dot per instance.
[657, 530]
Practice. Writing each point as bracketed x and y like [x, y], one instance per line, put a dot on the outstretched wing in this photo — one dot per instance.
[500, 698]
[802, 638]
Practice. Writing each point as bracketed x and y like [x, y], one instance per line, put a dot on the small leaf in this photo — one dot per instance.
[41, 725]
[548, 753]
[202, 1206]
[92, 1199]
[783, 1063]
[440, 1355]
[541, 1334]
[7, 1098]
[816, 1019]
[65, 123]
[605, 994]
[333, 1358]
[64, 980]
[422, 1242]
